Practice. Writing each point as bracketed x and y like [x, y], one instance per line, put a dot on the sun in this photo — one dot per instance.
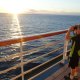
[15, 6]
[14, 9]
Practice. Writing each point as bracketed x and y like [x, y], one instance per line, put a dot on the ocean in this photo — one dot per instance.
[29, 24]
[12, 26]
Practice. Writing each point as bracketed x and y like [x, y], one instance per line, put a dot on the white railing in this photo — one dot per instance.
[23, 53]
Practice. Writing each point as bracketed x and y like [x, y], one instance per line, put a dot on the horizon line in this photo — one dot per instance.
[64, 13]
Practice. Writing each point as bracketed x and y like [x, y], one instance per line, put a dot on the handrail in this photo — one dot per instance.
[44, 71]
[38, 66]
[27, 52]
[29, 38]
[16, 66]
[22, 53]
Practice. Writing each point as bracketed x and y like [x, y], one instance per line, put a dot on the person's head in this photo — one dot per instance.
[77, 29]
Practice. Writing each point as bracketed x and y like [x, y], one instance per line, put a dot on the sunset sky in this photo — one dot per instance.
[40, 6]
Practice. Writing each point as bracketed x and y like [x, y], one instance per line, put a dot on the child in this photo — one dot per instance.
[75, 50]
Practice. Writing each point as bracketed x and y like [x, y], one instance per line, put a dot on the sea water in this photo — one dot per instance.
[14, 26]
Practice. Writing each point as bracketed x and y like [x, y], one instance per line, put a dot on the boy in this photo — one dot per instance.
[75, 50]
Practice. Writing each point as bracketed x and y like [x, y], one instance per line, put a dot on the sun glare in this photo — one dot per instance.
[15, 6]
[14, 10]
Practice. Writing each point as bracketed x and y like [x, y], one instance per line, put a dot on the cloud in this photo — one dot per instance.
[34, 11]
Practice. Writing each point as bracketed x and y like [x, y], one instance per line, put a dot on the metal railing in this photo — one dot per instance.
[22, 61]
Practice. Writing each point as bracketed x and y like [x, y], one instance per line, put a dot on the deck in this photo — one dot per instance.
[59, 75]
[56, 72]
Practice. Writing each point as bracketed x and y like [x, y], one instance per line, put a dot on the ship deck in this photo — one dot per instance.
[59, 75]
[55, 73]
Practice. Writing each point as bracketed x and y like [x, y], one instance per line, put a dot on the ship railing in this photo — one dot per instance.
[22, 53]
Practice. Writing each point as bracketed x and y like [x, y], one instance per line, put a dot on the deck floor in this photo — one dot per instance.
[59, 75]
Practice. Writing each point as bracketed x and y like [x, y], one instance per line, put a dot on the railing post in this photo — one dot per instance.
[65, 50]
[22, 69]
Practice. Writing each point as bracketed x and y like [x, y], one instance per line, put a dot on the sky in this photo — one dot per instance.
[40, 6]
